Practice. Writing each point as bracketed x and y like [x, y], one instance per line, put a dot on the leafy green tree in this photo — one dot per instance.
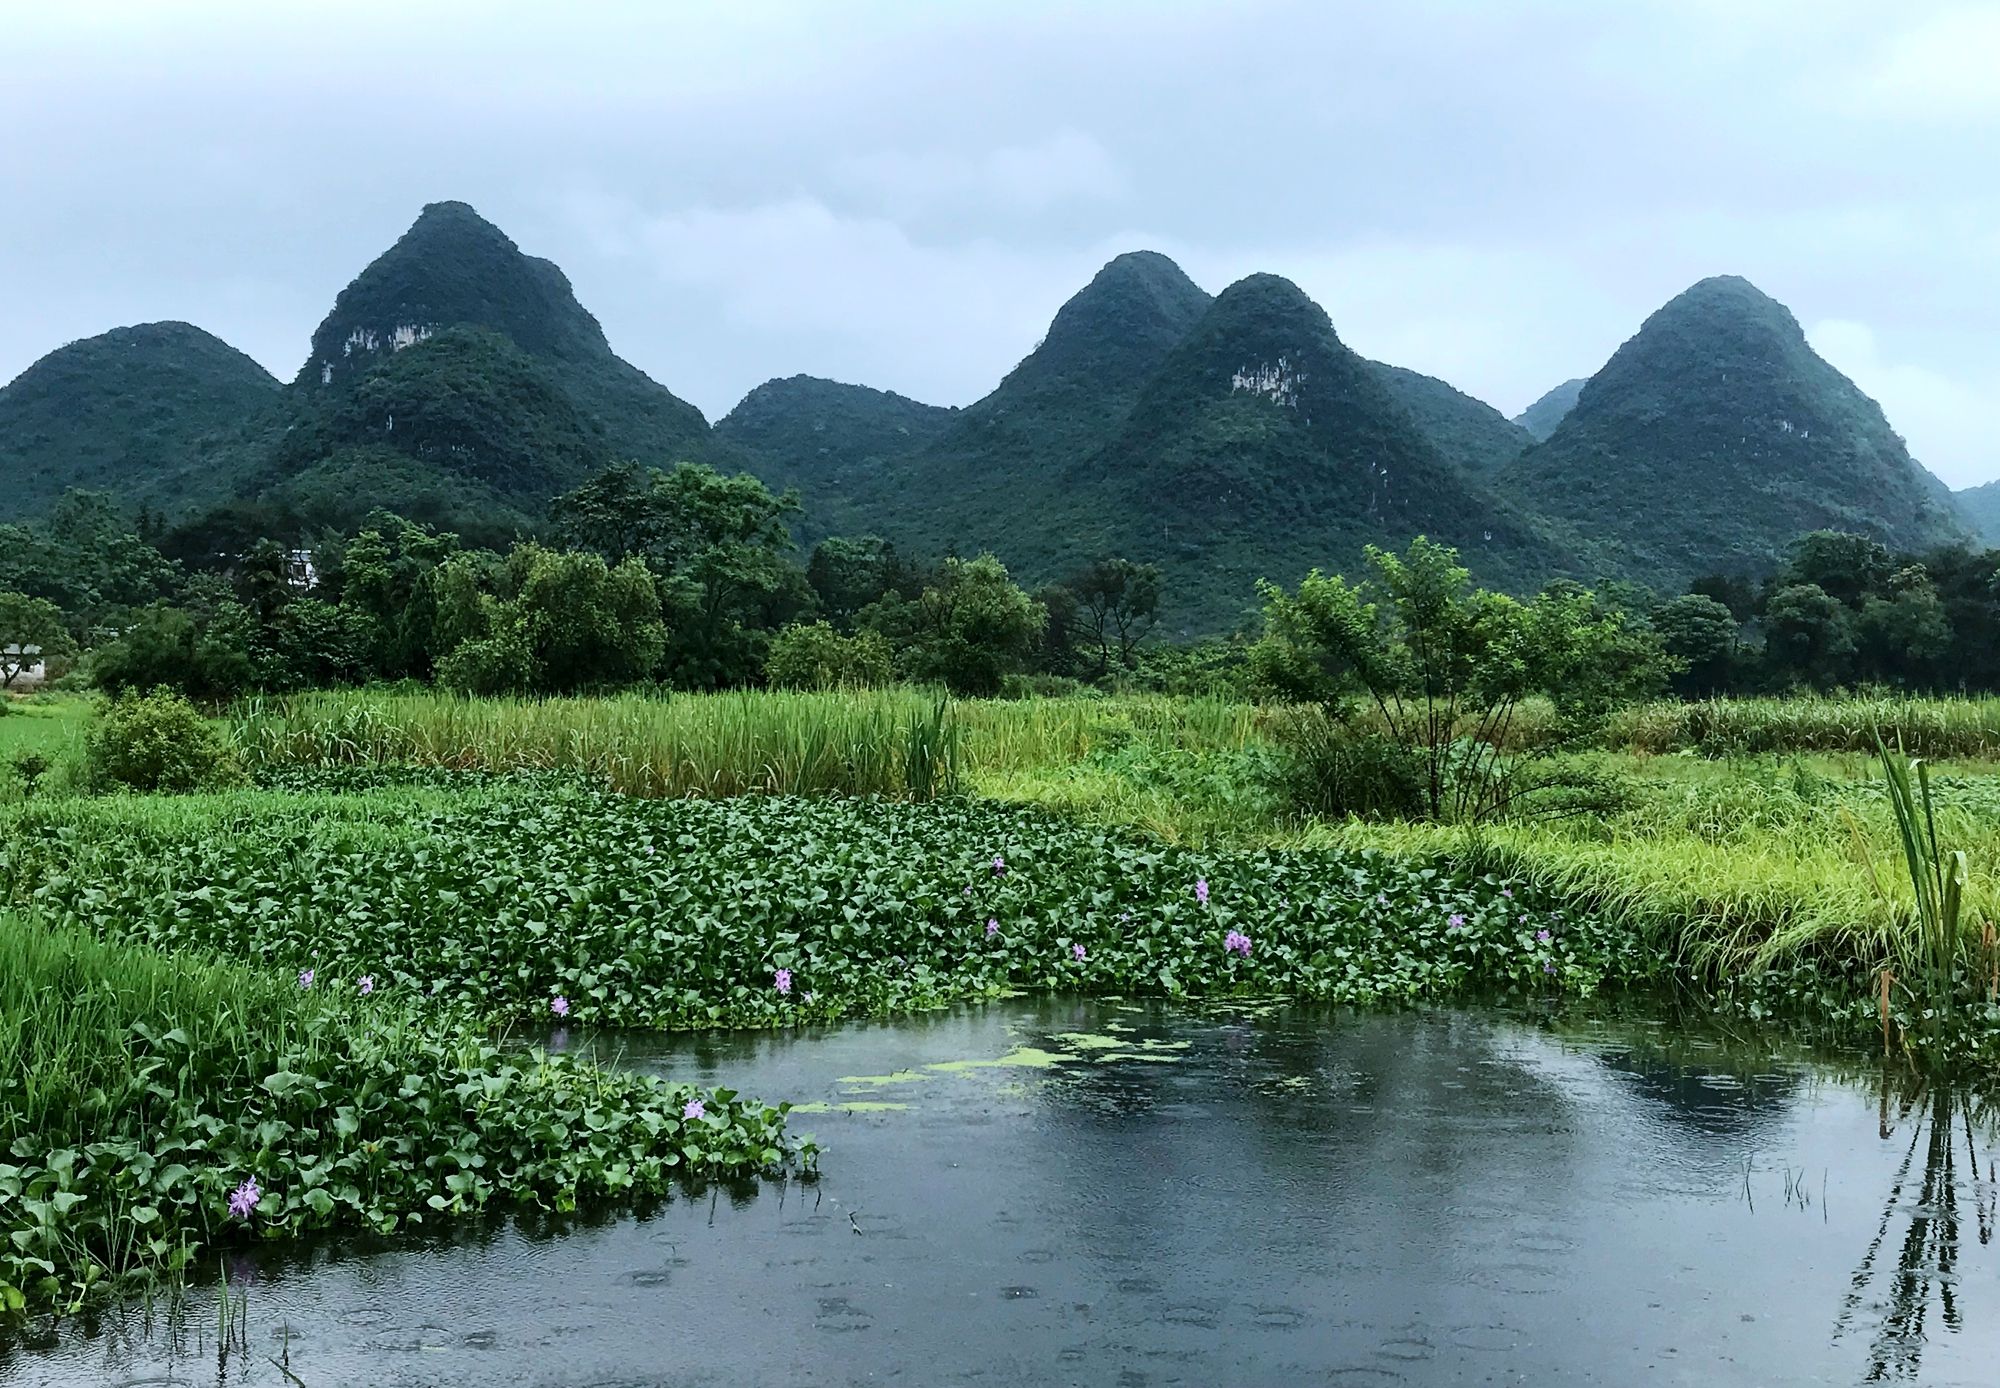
[385, 580]
[720, 550]
[847, 574]
[817, 655]
[1440, 668]
[1117, 603]
[564, 620]
[1845, 567]
[1701, 636]
[1808, 635]
[31, 632]
[206, 654]
[87, 560]
[968, 630]
[158, 742]
[1902, 637]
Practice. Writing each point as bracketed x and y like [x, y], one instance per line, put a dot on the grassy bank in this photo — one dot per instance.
[159, 1104]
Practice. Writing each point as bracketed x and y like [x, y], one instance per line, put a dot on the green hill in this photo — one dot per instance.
[154, 414]
[1980, 506]
[1541, 418]
[1262, 448]
[826, 439]
[1468, 431]
[1715, 437]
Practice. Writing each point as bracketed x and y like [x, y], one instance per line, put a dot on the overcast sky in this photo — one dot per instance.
[902, 194]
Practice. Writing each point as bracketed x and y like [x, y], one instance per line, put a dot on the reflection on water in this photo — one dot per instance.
[1057, 1192]
[1926, 1200]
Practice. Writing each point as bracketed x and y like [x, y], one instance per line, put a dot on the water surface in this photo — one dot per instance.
[1138, 1196]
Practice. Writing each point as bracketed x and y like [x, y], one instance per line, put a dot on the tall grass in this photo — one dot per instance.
[1924, 727]
[905, 742]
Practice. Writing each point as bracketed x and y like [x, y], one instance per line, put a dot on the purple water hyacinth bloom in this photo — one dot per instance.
[1078, 951]
[782, 980]
[1236, 942]
[1507, 892]
[999, 866]
[1549, 968]
[992, 927]
[968, 889]
[1541, 937]
[1201, 890]
[244, 1198]
[559, 1005]
[695, 1109]
[1457, 920]
[305, 978]
[367, 984]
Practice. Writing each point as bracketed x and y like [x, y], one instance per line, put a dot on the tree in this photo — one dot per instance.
[31, 632]
[1441, 669]
[968, 630]
[1700, 635]
[564, 620]
[847, 574]
[720, 551]
[817, 656]
[1808, 635]
[1117, 603]
[1845, 567]
[1901, 638]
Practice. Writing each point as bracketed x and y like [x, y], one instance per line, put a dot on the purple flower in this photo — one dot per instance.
[1201, 890]
[1236, 942]
[968, 889]
[782, 980]
[244, 1198]
[992, 927]
[1507, 892]
[559, 1005]
[367, 984]
[1078, 951]
[305, 978]
[1541, 937]
[1381, 899]
[999, 866]
[1549, 968]
[694, 1109]
[1457, 920]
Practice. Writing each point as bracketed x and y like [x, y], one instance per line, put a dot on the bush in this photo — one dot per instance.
[815, 656]
[1337, 772]
[502, 663]
[158, 741]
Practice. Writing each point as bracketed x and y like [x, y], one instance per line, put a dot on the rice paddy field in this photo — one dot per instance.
[336, 999]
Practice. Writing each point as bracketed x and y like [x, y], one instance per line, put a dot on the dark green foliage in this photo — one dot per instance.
[85, 559]
[1699, 635]
[1808, 635]
[848, 574]
[1102, 613]
[968, 630]
[204, 652]
[563, 620]
[1468, 432]
[814, 655]
[1541, 418]
[826, 440]
[1717, 436]
[1336, 772]
[720, 552]
[158, 742]
[31, 633]
[149, 413]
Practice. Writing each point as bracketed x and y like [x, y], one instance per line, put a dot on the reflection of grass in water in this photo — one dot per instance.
[1928, 1256]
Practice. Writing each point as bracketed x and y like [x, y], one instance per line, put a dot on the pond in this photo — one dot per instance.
[1047, 1192]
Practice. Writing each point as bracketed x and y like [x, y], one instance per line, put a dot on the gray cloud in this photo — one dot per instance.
[903, 194]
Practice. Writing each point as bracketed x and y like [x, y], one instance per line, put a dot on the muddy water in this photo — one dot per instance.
[1048, 1193]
